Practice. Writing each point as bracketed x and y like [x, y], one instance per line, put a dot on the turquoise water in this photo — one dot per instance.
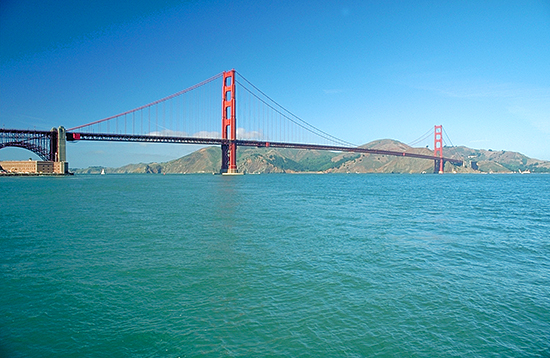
[275, 265]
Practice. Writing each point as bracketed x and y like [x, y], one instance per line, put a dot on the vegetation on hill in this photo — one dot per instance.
[271, 160]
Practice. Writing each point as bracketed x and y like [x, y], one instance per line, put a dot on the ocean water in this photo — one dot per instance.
[275, 265]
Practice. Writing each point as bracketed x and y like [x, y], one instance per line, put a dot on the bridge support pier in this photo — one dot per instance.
[439, 165]
[61, 144]
[53, 145]
[58, 149]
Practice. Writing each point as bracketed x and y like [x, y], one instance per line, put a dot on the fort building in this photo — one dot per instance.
[34, 167]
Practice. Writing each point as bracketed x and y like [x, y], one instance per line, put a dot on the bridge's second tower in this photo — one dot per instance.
[229, 130]
[438, 150]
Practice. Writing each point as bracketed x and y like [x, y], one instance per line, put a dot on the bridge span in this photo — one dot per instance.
[168, 120]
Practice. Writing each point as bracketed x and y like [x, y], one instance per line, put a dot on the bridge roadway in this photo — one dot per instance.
[245, 143]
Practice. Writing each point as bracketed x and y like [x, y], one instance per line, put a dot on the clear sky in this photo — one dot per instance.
[359, 70]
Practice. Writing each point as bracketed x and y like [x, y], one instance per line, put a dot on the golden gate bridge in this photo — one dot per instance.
[192, 116]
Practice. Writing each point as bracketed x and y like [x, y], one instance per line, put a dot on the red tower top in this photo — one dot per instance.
[228, 102]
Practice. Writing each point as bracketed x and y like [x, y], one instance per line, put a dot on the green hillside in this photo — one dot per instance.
[270, 160]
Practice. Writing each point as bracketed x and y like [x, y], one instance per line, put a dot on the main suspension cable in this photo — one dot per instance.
[421, 138]
[303, 123]
[446, 135]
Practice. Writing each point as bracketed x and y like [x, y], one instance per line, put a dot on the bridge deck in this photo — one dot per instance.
[26, 135]
[245, 143]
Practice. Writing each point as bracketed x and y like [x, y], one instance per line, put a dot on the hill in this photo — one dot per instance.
[497, 161]
[271, 160]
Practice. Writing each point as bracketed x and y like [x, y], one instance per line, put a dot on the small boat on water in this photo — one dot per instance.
[102, 171]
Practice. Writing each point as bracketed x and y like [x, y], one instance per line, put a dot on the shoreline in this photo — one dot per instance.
[34, 174]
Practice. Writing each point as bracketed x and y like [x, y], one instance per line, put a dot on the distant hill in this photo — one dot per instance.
[498, 161]
[271, 160]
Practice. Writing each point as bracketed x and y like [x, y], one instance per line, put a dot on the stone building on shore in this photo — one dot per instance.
[33, 167]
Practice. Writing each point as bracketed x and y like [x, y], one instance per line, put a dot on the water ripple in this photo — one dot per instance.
[276, 265]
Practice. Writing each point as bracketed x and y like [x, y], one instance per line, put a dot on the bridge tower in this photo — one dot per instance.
[438, 149]
[61, 144]
[229, 130]
[58, 149]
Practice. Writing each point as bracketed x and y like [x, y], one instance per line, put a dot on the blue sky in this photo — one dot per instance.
[359, 70]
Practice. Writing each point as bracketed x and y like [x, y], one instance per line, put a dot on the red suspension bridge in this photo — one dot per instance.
[192, 116]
